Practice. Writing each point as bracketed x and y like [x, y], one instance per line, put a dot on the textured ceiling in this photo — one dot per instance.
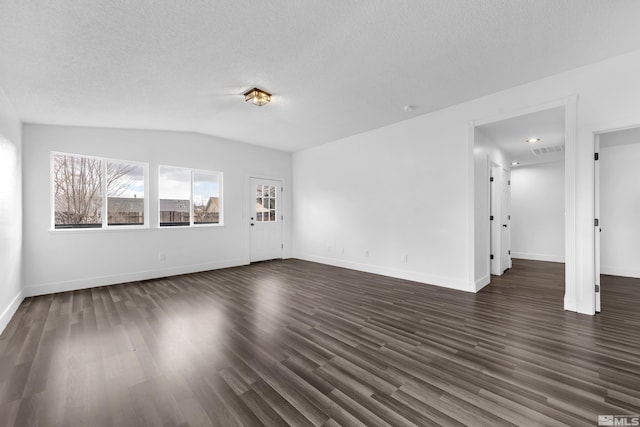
[335, 67]
[510, 135]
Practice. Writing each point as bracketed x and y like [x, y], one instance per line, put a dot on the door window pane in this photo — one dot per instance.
[266, 203]
[206, 198]
[125, 194]
[259, 207]
[175, 195]
[77, 185]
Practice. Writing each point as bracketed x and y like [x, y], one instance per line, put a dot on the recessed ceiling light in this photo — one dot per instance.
[515, 163]
[257, 97]
[407, 108]
[533, 140]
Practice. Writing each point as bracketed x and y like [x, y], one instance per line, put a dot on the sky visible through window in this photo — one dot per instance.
[204, 187]
[175, 184]
[129, 185]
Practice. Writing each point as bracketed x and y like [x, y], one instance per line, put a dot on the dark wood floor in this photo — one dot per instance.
[292, 342]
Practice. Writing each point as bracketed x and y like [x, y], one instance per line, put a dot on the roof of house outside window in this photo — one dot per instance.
[174, 205]
[213, 205]
[125, 204]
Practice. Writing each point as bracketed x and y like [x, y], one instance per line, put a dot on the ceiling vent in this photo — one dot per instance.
[548, 150]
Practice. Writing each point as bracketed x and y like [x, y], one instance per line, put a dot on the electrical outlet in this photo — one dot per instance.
[405, 258]
[162, 256]
[366, 252]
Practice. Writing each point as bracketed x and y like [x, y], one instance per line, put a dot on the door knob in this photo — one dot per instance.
[252, 224]
[504, 225]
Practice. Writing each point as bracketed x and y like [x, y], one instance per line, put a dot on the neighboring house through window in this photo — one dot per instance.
[189, 197]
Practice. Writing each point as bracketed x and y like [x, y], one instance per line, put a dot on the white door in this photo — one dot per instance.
[505, 221]
[494, 219]
[265, 219]
[500, 194]
[597, 224]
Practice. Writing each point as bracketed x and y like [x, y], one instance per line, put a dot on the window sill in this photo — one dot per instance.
[131, 228]
[99, 229]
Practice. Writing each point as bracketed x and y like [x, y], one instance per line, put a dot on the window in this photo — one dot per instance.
[77, 191]
[206, 198]
[175, 199]
[189, 197]
[266, 203]
[90, 192]
[125, 194]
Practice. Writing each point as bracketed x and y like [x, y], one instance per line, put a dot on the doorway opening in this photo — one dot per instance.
[519, 192]
[616, 209]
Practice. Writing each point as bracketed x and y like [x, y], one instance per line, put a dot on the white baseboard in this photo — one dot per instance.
[537, 257]
[570, 304]
[482, 282]
[92, 282]
[617, 271]
[10, 310]
[428, 279]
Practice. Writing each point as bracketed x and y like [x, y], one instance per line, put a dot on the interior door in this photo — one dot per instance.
[505, 220]
[500, 194]
[597, 229]
[265, 219]
[494, 202]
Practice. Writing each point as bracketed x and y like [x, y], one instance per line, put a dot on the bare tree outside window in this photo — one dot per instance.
[125, 194]
[78, 189]
[206, 201]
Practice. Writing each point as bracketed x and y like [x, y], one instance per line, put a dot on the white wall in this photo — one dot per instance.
[620, 209]
[10, 211]
[57, 260]
[393, 191]
[408, 188]
[537, 212]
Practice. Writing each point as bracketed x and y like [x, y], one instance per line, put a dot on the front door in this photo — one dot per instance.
[265, 219]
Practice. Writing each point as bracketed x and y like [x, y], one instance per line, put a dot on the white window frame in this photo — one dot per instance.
[105, 218]
[192, 172]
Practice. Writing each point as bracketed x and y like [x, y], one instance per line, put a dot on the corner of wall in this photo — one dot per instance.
[10, 310]
[11, 228]
[481, 283]
[570, 304]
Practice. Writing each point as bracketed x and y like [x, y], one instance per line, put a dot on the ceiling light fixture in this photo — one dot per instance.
[533, 140]
[515, 163]
[257, 96]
